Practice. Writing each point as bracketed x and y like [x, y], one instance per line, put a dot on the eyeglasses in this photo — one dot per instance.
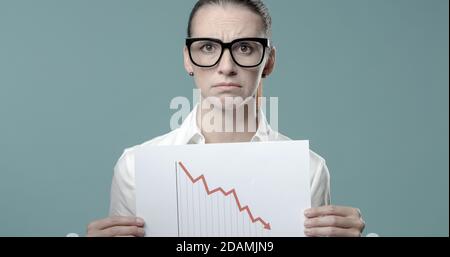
[245, 52]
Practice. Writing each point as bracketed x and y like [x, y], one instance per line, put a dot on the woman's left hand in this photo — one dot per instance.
[333, 221]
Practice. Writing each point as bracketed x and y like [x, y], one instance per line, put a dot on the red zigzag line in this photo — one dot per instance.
[232, 191]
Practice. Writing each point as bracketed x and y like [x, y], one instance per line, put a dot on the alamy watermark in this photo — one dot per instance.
[228, 114]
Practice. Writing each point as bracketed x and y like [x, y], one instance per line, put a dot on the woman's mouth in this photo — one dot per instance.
[227, 85]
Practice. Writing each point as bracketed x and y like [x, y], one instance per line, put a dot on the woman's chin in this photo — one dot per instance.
[228, 100]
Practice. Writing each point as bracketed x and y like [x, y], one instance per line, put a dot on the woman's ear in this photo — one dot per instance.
[270, 64]
[187, 61]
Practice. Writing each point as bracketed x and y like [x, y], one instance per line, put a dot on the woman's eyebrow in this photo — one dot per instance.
[234, 39]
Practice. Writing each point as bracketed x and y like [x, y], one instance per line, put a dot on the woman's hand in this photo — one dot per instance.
[333, 221]
[116, 226]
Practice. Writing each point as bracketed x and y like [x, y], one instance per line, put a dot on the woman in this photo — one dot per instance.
[228, 53]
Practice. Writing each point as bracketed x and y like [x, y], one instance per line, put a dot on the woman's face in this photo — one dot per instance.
[227, 23]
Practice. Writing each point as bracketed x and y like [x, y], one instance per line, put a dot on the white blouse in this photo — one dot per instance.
[123, 198]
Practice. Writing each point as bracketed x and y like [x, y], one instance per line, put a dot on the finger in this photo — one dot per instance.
[123, 231]
[333, 221]
[332, 232]
[115, 221]
[332, 210]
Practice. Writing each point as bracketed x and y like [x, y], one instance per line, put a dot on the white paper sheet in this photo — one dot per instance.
[237, 189]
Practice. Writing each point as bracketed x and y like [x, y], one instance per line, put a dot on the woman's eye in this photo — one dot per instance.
[208, 48]
[245, 49]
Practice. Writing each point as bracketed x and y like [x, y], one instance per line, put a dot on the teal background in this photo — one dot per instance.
[365, 80]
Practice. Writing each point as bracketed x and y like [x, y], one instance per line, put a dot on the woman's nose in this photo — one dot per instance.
[226, 64]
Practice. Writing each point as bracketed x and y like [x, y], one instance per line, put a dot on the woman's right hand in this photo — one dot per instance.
[116, 226]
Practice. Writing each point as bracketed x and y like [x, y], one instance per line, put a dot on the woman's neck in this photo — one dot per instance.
[220, 125]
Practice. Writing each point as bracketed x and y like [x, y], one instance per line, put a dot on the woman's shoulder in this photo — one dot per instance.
[169, 138]
[315, 158]
[175, 137]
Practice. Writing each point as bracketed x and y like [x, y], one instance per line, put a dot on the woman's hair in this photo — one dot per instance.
[256, 6]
